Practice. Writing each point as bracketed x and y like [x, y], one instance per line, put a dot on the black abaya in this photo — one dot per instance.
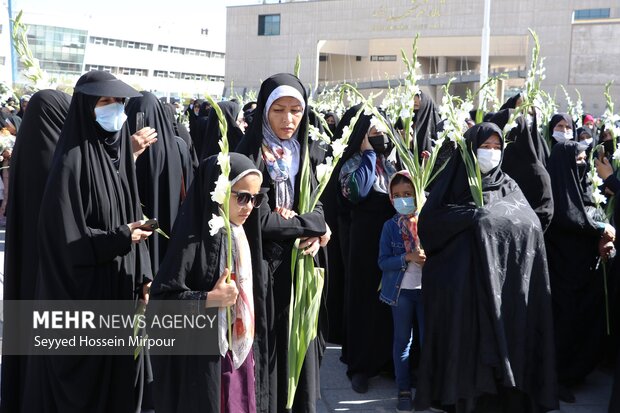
[30, 164]
[426, 120]
[488, 327]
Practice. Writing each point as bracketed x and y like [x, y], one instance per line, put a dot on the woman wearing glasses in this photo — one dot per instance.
[195, 269]
[275, 143]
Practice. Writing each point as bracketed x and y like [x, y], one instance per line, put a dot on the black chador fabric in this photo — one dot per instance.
[212, 134]
[426, 119]
[522, 164]
[159, 172]
[181, 131]
[193, 121]
[86, 253]
[338, 217]
[191, 269]
[368, 325]
[572, 250]
[278, 235]
[511, 103]
[200, 128]
[30, 164]
[488, 326]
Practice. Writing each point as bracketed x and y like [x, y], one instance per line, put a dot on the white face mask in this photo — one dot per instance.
[111, 117]
[488, 159]
[562, 136]
[587, 141]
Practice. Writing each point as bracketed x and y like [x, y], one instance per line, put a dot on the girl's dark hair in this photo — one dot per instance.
[399, 179]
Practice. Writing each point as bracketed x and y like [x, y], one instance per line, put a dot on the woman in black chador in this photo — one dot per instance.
[364, 173]
[30, 164]
[91, 247]
[276, 144]
[572, 249]
[162, 184]
[488, 340]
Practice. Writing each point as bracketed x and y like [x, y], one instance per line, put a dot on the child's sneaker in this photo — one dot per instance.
[404, 402]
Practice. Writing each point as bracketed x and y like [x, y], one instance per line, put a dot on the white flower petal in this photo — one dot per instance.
[221, 187]
[215, 224]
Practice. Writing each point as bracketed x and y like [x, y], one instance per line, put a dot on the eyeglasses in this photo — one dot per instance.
[244, 197]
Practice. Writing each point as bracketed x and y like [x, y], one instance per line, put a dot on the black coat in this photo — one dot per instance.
[488, 325]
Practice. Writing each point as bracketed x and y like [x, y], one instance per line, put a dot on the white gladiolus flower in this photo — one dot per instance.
[598, 197]
[617, 155]
[596, 180]
[215, 224]
[346, 131]
[223, 160]
[324, 170]
[221, 186]
[405, 113]
[338, 147]
[378, 125]
[367, 111]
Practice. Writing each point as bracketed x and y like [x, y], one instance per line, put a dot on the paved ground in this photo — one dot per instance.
[592, 396]
[337, 396]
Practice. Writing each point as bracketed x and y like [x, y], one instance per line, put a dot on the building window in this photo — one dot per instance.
[111, 42]
[269, 25]
[163, 48]
[202, 53]
[383, 58]
[588, 14]
[177, 50]
[323, 58]
[97, 40]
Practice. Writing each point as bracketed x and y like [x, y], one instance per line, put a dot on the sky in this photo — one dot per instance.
[209, 13]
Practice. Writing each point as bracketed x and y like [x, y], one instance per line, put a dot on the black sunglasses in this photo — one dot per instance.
[244, 197]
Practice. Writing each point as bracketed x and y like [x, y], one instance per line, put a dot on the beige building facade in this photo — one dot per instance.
[360, 41]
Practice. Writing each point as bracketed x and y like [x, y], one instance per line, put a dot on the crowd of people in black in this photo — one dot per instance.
[503, 307]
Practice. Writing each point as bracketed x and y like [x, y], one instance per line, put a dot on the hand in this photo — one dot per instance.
[603, 167]
[6, 154]
[310, 245]
[605, 248]
[138, 234]
[417, 256]
[324, 239]
[366, 146]
[141, 140]
[425, 154]
[146, 292]
[223, 294]
[610, 233]
[286, 213]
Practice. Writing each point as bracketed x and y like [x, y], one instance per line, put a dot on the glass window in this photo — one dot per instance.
[588, 14]
[269, 25]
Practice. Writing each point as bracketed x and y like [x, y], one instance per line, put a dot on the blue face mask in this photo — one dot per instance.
[404, 206]
[111, 117]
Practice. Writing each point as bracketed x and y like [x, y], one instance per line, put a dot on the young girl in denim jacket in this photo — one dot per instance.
[401, 260]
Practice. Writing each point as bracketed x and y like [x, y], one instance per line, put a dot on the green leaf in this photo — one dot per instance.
[297, 65]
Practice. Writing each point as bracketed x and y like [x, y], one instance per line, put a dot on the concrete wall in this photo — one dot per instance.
[567, 47]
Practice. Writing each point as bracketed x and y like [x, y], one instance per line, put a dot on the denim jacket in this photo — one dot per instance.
[391, 261]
